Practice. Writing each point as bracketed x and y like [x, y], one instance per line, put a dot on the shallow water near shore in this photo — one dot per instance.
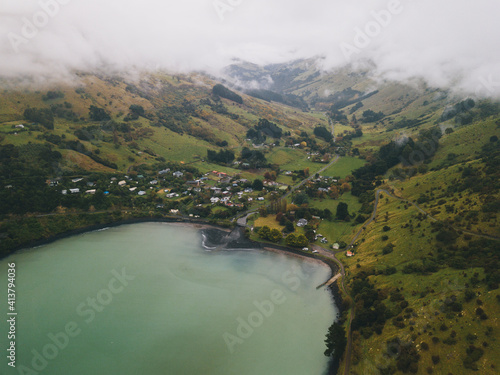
[149, 299]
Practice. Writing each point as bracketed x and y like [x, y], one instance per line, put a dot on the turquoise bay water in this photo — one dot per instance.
[148, 299]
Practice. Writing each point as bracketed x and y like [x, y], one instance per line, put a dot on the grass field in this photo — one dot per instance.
[270, 221]
[337, 230]
[344, 167]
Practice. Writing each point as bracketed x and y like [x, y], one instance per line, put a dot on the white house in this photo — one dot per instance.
[302, 222]
[141, 193]
[178, 174]
[74, 191]
[122, 183]
[92, 191]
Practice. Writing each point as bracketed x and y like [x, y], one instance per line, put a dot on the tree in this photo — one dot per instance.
[301, 241]
[310, 234]
[43, 116]
[334, 192]
[270, 175]
[257, 184]
[275, 235]
[335, 341]
[264, 232]
[346, 187]
[98, 114]
[263, 211]
[342, 211]
[371, 116]
[291, 240]
[448, 130]
[137, 109]
[301, 199]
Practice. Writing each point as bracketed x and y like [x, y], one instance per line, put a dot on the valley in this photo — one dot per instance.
[404, 194]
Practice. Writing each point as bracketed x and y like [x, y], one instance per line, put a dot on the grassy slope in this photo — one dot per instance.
[444, 283]
[160, 89]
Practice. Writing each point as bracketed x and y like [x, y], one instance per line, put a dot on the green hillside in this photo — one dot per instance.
[421, 283]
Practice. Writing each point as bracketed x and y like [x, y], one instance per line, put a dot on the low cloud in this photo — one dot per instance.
[449, 43]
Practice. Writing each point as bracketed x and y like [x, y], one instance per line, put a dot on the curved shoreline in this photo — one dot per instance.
[333, 289]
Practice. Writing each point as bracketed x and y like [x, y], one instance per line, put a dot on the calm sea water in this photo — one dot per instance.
[148, 299]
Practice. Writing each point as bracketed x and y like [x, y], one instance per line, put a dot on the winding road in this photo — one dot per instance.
[327, 253]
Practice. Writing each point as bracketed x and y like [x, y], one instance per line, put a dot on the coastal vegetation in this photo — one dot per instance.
[406, 198]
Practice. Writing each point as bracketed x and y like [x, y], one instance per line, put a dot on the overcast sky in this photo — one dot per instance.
[446, 42]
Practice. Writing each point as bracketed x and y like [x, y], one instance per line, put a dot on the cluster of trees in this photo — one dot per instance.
[224, 92]
[43, 116]
[294, 240]
[263, 129]
[255, 158]
[273, 235]
[27, 160]
[459, 108]
[221, 157]
[357, 106]
[347, 97]
[322, 132]
[336, 341]
[173, 118]
[135, 111]
[288, 99]
[372, 116]
[98, 114]
[64, 110]
[24, 230]
[338, 116]
[342, 211]
[391, 154]
[371, 312]
[357, 133]
[406, 354]
[286, 222]
[50, 95]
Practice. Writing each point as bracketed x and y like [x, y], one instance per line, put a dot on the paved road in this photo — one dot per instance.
[332, 255]
[337, 157]
[241, 217]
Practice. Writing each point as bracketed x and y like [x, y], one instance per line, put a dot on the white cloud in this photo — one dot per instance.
[445, 42]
